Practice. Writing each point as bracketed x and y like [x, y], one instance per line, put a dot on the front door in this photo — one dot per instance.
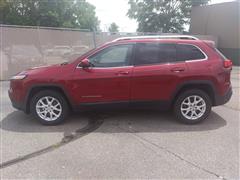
[108, 80]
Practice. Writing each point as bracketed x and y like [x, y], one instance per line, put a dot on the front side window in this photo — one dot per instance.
[187, 52]
[154, 53]
[114, 56]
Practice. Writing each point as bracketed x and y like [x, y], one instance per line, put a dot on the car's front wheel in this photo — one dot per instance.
[49, 107]
[192, 106]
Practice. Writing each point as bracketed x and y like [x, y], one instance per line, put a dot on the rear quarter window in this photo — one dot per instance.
[187, 52]
[220, 54]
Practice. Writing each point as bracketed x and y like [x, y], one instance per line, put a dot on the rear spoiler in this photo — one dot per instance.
[210, 43]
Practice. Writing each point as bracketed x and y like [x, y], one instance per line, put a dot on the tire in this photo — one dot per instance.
[190, 112]
[49, 107]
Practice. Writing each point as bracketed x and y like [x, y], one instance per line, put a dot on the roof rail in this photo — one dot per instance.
[157, 37]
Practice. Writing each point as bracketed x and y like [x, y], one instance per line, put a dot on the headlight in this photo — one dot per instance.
[19, 77]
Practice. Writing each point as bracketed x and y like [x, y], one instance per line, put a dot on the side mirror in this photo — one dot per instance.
[85, 63]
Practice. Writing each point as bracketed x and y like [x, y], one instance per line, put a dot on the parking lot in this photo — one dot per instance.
[121, 144]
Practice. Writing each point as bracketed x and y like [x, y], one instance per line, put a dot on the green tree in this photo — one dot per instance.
[49, 13]
[113, 27]
[162, 15]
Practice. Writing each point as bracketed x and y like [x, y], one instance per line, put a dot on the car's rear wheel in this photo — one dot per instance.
[49, 107]
[192, 106]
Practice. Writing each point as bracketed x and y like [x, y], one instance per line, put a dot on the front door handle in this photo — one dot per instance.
[178, 69]
[122, 73]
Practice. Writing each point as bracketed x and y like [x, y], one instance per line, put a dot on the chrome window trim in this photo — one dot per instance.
[167, 63]
[196, 60]
[116, 67]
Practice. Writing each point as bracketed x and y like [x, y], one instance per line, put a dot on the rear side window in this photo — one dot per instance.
[167, 52]
[187, 52]
[154, 53]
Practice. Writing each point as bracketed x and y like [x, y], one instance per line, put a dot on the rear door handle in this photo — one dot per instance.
[178, 69]
[122, 73]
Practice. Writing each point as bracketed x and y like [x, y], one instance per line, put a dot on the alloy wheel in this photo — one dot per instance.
[193, 107]
[48, 108]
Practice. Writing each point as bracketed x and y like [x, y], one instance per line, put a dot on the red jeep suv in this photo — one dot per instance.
[179, 72]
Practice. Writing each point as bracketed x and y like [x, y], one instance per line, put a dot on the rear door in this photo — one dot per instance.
[156, 72]
[195, 59]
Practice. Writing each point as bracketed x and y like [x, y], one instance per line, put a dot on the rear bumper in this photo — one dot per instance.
[220, 100]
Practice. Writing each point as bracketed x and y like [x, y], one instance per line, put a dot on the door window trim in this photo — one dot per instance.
[174, 62]
[115, 67]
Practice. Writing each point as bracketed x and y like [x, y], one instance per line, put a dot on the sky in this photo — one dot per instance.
[109, 11]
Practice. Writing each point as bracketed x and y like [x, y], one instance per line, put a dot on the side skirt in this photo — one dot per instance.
[160, 105]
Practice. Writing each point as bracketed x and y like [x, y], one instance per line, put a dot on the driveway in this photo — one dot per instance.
[121, 144]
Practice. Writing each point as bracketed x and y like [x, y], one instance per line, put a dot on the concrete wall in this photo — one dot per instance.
[26, 47]
[222, 21]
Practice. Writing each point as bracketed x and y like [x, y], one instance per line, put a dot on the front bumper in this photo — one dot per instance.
[18, 105]
[220, 100]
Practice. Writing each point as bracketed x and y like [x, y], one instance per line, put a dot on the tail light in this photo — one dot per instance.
[227, 63]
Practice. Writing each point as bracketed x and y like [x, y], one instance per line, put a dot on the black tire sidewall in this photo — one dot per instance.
[56, 95]
[185, 94]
